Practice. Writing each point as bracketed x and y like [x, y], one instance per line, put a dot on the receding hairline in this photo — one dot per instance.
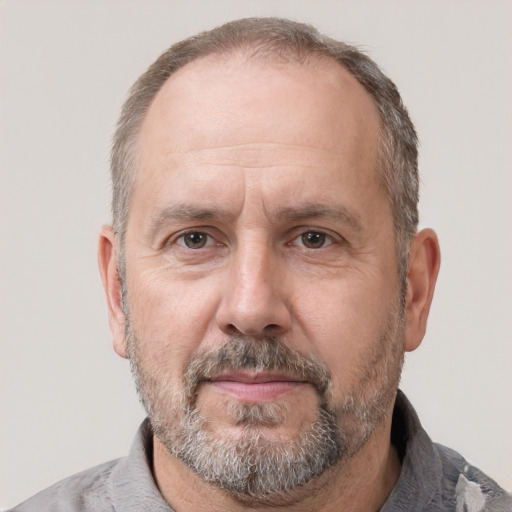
[325, 69]
[259, 46]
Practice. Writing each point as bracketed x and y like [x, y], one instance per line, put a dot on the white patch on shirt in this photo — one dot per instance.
[470, 497]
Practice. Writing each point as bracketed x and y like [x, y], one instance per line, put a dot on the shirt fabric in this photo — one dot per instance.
[433, 479]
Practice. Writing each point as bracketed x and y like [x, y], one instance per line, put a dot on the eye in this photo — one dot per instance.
[313, 240]
[194, 240]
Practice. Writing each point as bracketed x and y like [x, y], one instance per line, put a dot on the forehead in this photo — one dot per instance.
[221, 101]
[221, 125]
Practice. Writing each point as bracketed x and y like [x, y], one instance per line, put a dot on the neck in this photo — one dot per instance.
[362, 483]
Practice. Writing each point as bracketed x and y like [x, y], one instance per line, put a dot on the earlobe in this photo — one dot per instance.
[424, 263]
[107, 250]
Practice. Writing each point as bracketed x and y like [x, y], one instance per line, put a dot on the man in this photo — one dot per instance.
[264, 275]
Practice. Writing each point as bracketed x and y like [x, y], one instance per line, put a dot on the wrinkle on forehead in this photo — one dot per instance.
[256, 156]
[256, 148]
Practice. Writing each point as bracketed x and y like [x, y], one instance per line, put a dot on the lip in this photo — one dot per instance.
[255, 386]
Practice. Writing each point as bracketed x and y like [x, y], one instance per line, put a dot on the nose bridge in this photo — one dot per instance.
[253, 268]
[253, 301]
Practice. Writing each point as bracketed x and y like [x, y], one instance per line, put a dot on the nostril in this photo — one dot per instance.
[268, 330]
[231, 329]
[272, 330]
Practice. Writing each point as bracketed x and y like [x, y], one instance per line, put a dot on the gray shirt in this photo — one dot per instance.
[433, 478]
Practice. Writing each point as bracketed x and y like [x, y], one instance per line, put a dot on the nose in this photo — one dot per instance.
[254, 300]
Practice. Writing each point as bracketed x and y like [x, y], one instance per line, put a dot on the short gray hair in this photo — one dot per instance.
[282, 39]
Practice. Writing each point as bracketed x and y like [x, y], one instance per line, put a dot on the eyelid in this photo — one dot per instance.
[209, 239]
[331, 237]
[178, 237]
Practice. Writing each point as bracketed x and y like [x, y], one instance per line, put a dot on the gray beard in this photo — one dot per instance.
[251, 467]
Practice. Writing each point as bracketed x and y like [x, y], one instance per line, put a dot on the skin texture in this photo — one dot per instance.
[250, 156]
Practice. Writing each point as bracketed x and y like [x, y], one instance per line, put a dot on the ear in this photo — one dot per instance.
[424, 262]
[107, 262]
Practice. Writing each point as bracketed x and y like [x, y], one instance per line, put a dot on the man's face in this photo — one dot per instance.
[261, 283]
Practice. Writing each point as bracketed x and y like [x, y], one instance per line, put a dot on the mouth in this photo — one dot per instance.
[255, 386]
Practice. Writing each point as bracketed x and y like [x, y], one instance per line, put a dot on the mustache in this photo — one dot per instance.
[255, 353]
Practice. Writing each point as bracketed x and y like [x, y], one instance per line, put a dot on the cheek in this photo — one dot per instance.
[343, 323]
[170, 317]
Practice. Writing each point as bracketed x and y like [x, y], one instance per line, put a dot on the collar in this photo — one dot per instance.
[131, 483]
[419, 486]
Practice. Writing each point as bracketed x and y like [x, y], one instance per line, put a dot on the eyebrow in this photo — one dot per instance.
[332, 212]
[182, 212]
[306, 211]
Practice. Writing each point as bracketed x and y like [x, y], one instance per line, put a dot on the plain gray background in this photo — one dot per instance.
[66, 401]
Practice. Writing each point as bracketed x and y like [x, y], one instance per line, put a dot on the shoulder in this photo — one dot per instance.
[472, 489]
[122, 484]
[85, 491]
[434, 477]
